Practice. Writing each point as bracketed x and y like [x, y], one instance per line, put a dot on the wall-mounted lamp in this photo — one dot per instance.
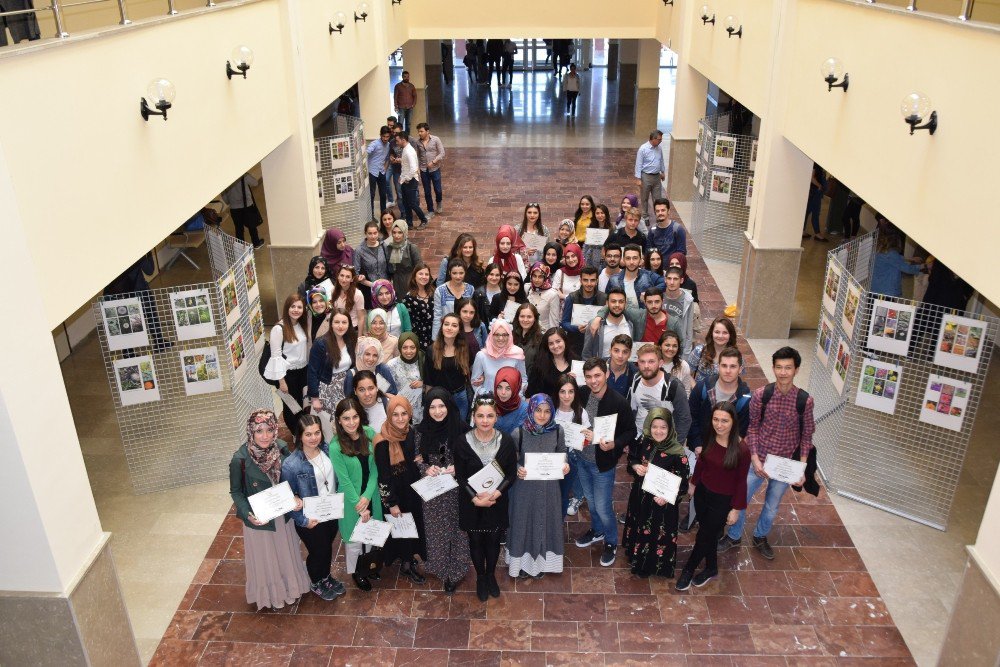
[339, 17]
[705, 11]
[834, 75]
[160, 93]
[397, 2]
[361, 13]
[667, 3]
[239, 62]
[915, 107]
[731, 23]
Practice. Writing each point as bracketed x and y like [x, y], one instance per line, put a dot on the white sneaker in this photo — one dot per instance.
[574, 506]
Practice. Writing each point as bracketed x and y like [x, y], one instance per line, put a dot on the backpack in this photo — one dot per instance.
[800, 407]
[667, 392]
[800, 403]
[739, 403]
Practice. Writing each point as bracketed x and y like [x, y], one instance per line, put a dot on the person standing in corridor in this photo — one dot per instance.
[650, 169]
[404, 97]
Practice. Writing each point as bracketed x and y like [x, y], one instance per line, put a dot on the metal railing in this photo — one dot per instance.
[965, 13]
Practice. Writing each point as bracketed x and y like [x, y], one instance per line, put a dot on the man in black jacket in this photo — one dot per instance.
[597, 461]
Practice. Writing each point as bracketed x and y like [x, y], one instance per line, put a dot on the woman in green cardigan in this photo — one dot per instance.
[276, 573]
[353, 456]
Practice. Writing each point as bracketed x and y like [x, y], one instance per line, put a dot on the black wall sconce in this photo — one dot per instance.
[731, 23]
[339, 17]
[239, 62]
[161, 93]
[667, 3]
[397, 2]
[361, 13]
[834, 75]
[915, 107]
[705, 11]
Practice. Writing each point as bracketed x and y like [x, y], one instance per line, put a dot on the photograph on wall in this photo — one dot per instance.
[202, 372]
[852, 302]
[319, 164]
[960, 343]
[709, 141]
[863, 260]
[749, 195]
[753, 155]
[343, 188]
[136, 380]
[340, 152]
[237, 353]
[697, 173]
[830, 288]
[192, 314]
[722, 185]
[124, 323]
[878, 386]
[250, 273]
[230, 303]
[700, 140]
[841, 364]
[725, 150]
[890, 327]
[257, 326]
[319, 191]
[825, 343]
[946, 401]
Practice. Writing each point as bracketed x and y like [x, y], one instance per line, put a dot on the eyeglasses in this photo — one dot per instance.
[501, 334]
[533, 205]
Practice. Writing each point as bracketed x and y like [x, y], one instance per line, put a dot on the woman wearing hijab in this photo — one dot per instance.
[408, 373]
[543, 297]
[507, 254]
[378, 329]
[319, 271]
[318, 315]
[336, 252]
[567, 279]
[367, 358]
[535, 537]
[275, 572]
[566, 233]
[396, 458]
[650, 537]
[439, 433]
[500, 352]
[552, 256]
[511, 406]
[398, 317]
[403, 256]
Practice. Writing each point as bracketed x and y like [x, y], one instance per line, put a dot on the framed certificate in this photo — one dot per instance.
[784, 470]
[541, 466]
[271, 503]
[584, 314]
[403, 526]
[661, 483]
[324, 508]
[373, 532]
[430, 487]
[487, 479]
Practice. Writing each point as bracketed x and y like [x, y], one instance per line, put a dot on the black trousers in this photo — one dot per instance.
[712, 509]
[485, 550]
[319, 543]
[296, 380]
[411, 197]
[852, 218]
[246, 218]
[571, 96]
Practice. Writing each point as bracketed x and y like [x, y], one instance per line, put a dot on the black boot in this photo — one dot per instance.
[492, 586]
[482, 589]
[361, 582]
[409, 569]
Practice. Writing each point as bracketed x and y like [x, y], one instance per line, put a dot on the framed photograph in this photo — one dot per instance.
[697, 173]
[237, 353]
[831, 286]
[250, 274]
[722, 185]
[319, 190]
[749, 195]
[753, 155]
[136, 381]
[960, 343]
[340, 151]
[344, 190]
[890, 327]
[725, 151]
[946, 401]
[878, 385]
[841, 364]
[319, 162]
[825, 343]
[700, 140]
[230, 302]
[257, 326]
[852, 302]
[709, 140]
[201, 370]
[192, 310]
[124, 323]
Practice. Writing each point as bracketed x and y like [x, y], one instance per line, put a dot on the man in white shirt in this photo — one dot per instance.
[612, 262]
[652, 388]
[598, 343]
[409, 179]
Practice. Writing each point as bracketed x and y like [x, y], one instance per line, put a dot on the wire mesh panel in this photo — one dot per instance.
[342, 170]
[723, 181]
[894, 430]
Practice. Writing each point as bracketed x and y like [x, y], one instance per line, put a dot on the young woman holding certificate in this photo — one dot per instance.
[650, 537]
[275, 573]
[487, 458]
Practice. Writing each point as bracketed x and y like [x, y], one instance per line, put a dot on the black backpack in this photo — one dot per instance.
[800, 407]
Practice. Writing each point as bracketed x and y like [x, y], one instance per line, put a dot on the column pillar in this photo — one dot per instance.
[628, 66]
[60, 602]
[647, 95]
[614, 49]
[375, 98]
[690, 97]
[414, 62]
[434, 72]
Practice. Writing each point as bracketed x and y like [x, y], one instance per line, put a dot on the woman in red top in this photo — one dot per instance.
[721, 479]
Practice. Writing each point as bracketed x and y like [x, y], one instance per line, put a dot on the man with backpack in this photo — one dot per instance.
[652, 388]
[781, 424]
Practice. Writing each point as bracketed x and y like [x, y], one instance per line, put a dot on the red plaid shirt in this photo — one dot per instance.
[778, 434]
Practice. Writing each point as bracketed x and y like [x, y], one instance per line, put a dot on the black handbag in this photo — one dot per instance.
[370, 561]
[265, 356]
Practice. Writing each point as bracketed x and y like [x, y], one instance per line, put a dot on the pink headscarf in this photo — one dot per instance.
[510, 351]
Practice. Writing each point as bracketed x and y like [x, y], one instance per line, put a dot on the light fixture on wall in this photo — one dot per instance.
[834, 75]
[239, 62]
[731, 23]
[340, 17]
[397, 2]
[361, 13]
[705, 11]
[915, 107]
[160, 93]
[667, 3]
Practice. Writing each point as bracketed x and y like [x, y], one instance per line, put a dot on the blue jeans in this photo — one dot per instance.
[380, 183]
[394, 189]
[772, 498]
[429, 178]
[411, 202]
[597, 487]
[404, 119]
[571, 484]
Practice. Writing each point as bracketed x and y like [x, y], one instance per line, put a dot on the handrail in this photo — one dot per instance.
[965, 14]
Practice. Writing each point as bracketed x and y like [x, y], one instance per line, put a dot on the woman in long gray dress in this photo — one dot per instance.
[535, 536]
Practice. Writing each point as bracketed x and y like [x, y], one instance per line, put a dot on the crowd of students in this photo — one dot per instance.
[391, 370]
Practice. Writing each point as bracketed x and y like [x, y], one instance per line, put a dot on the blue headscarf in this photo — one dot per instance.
[529, 424]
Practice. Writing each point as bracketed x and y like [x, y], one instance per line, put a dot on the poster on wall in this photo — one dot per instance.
[230, 303]
[830, 288]
[250, 273]
[319, 163]
[343, 188]
[890, 327]
[340, 152]
[201, 370]
[257, 326]
[753, 155]
[825, 343]
[960, 343]
[749, 195]
[863, 259]
[725, 150]
[945, 402]
[705, 145]
[319, 191]
[701, 184]
[852, 302]
[722, 185]
[192, 314]
[237, 353]
[136, 380]
[700, 140]
[697, 173]
[878, 386]
[841, 364]
[124, 323]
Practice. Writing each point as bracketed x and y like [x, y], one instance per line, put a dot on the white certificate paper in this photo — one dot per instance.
[431, 487]
[324, 508]
[604, 428]
[534, 241]
[661, 483]
[487, 479]
[784, 470]
[541, 466]
[272, 503]
[510, 310]
[576, 368]
[596, 236]
[573, 434]
[403, 526]
[373, 532]
[584, 314]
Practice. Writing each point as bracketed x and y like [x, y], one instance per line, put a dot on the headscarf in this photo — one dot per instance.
[311, 280]
[511, 376]
[680, 257]
[336, 258]
[378, 286]
[572, 230]
[510, 351]
[669, 446]
[395, 436]
[432, 433]
[559, 253]
[322, 293]
[379, 312]
[419, 359]
[530, 425]
[268, 459]
[507, 261]
[364, 343]
[573, 249]
[396, 249]
[633, 199]
[547, 283]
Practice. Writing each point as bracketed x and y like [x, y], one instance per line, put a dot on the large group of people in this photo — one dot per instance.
[592, 350]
